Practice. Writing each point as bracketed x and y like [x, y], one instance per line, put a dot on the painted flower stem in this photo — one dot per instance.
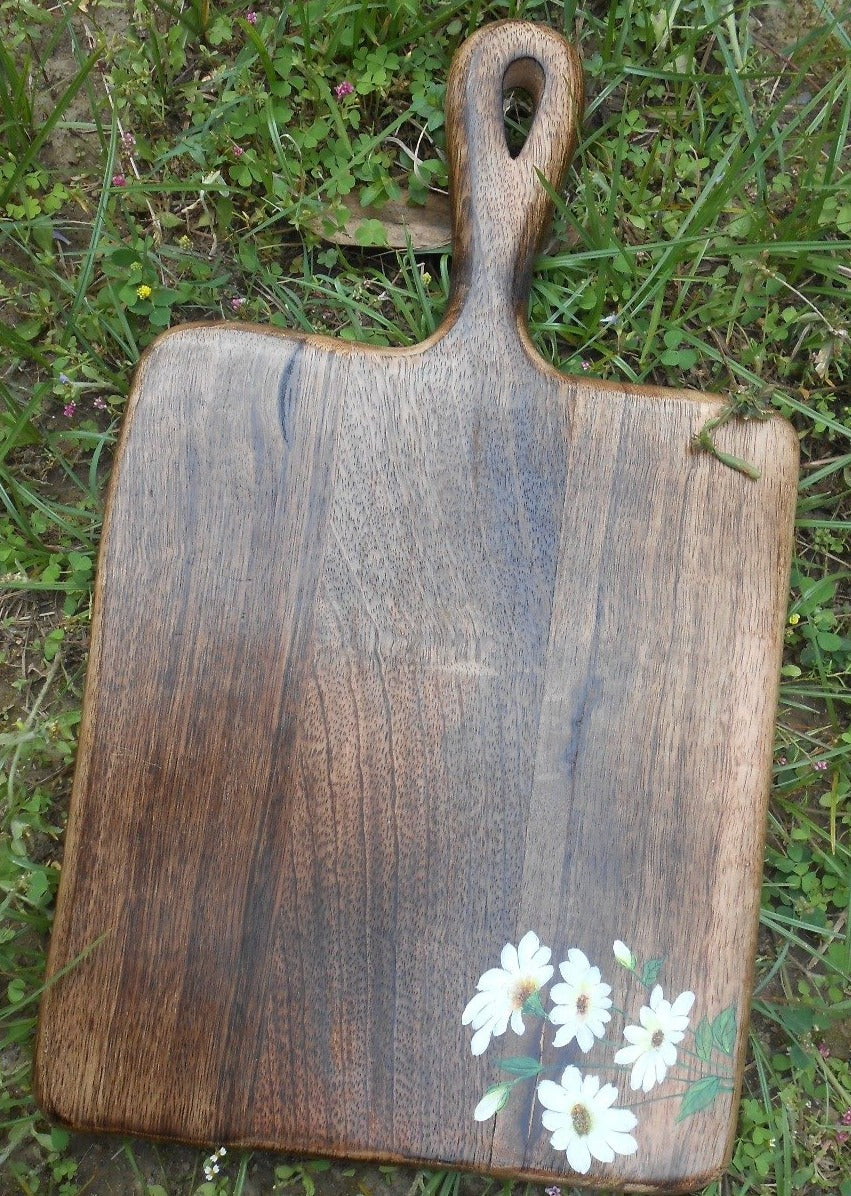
[649, 1100]
[692, 1055]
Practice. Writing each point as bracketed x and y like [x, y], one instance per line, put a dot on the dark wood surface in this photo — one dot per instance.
[397, 656]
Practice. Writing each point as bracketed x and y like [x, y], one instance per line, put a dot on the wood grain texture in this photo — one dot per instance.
[398, 655]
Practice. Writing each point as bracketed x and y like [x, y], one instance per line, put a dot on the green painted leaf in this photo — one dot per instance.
[533, 1007]
[650, 972]
[703, 1040]
[701, 1094]
[522, 1065]
[724, 1030]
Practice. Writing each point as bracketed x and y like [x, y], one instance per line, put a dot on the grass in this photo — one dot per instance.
[174, 166]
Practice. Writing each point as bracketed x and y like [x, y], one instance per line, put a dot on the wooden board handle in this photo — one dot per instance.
[500, 210]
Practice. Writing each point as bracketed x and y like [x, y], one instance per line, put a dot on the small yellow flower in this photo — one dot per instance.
[184, 242]
[794, 620]
[135, 265]
[144, 291]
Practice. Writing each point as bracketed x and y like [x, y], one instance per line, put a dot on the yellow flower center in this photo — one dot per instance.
[522, 991]
[581, 1119]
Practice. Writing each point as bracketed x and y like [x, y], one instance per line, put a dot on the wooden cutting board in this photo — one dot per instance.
[404, 660]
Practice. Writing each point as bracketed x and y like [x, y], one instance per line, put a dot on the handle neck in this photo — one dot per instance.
[500, 210]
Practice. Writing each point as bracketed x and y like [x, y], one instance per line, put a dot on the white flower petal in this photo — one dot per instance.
[683, 1004]
[541, 958]
[654, 1071]
[483, 1017]
[627, 1055]
[517, 1021]
[607, 1096]
[661, 1069]
[667, 1054]
[622, 1120]
[579, 1156]
[636, 1034]
[553, 1096]
[599, 1148]
[564, 1035]
[509, 960]
[544, 974]
[562, 1137]
[636, 1076]
[642, 1076]
[494, 978]
[571, 1080]
[527, 947]
[492, 1102]
[623, 1143]
[481, 1041]
[623, 955]
[597, 1018]
[585, 1038]
[477, 1003]
[560, 993]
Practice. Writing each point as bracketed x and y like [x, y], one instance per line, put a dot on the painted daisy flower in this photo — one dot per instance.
[652, 1045]
[502, 992]
[582, 1003]
[582, 1122]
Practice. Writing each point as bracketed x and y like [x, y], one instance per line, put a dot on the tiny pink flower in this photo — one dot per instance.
[236, 303]
[118, 180]
[586, 366]
[69, 409]
[820, 766]
[555, 1190]
[781, 759]
[251, 17]
[100, 404]
[343, 89]
[824, 1051]
[128, 141]
[842, 1137]
[846, 1117]
[237, 151]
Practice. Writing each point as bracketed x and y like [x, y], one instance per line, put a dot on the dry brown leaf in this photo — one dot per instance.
[427, 226]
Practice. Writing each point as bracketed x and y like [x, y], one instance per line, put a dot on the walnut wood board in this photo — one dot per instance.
[399, 656]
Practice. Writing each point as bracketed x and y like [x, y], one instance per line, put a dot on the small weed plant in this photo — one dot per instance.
[172, 160]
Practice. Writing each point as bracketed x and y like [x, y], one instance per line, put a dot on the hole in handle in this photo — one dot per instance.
[518, 112]
[522, 88]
